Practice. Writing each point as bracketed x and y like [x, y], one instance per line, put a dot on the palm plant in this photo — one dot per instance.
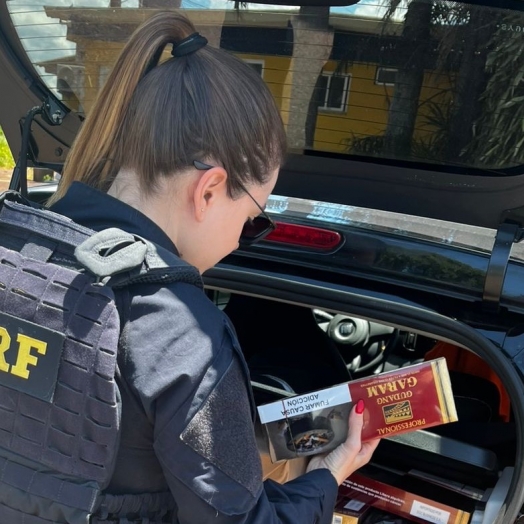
[465, 31]
[455, 35]
[498, 140]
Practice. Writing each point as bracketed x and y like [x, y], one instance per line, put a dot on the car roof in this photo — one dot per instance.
[345, 118]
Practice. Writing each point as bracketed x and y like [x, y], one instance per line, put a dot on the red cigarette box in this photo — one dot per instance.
[406, 399]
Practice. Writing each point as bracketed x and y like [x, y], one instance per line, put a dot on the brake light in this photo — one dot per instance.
[304, 236]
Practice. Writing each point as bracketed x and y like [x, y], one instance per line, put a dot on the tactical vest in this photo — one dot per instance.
[59, 332]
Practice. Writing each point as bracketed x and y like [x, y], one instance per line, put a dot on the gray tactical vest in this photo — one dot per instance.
[59, 331]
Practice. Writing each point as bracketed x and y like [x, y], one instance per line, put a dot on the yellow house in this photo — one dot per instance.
[332, 87]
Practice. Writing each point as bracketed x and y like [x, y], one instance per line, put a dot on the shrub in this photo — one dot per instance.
[6, 158]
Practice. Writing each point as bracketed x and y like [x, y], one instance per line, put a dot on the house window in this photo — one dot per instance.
[257, 65]
[386, 76]
[334, 91]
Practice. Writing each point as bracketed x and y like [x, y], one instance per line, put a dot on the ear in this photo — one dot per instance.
[211, 185]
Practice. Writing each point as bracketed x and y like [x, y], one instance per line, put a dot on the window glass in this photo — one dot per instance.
[257, 65]
[334, 89]
[411, 80]
[386, 76]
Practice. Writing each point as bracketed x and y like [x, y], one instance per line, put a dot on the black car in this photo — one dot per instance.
[400, 208]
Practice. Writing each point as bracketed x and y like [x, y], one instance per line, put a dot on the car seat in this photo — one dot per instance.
[284, 347]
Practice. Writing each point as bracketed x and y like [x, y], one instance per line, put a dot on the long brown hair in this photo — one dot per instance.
[156, 119]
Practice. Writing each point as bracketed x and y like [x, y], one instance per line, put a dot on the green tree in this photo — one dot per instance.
[499, 131]
[6, 158]
[457, 37]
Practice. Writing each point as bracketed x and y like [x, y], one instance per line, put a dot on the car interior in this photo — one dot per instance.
[291, 348]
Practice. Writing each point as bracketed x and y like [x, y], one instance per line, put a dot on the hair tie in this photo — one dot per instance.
[189, 45]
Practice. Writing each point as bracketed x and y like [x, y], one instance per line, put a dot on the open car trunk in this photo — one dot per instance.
[305, 330]
[300, 337]
[421, 190]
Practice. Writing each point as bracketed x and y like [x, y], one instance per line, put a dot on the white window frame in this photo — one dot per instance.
[257, 62]
[345, 94]
[377, 82]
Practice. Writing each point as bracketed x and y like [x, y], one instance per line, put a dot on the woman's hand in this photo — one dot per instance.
[351, 454]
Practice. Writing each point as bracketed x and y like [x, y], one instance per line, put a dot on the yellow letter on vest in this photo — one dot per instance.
[24, 359]
[5, 342]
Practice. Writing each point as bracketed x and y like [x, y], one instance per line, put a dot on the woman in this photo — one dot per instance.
[185, 153]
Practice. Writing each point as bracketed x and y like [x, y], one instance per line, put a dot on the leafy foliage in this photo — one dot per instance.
[458, 125]
[499, 138]
[435, 120]
[6, 158]
[371, 145]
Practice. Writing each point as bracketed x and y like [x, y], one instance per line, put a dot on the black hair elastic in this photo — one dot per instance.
[189, 45]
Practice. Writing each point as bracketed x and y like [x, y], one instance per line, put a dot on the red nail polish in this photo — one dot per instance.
[360, 407]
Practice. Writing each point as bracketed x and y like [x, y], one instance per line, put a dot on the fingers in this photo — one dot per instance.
[359, 453]
[369, 447]
[366, 451]
[352, 453]
[356, 423]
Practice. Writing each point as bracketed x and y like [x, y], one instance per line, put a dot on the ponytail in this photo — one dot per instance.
[91, 159]
[155, 119]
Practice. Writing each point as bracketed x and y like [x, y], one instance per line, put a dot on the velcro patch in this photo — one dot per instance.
[222, 432]
[29, 357]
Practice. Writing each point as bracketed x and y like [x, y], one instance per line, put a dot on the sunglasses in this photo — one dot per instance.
[254, 229]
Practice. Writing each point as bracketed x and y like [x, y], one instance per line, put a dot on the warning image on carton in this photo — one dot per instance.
[307, 424]
[397, 401]
[308, 434]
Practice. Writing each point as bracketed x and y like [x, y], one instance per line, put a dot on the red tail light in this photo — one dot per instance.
[304, 236]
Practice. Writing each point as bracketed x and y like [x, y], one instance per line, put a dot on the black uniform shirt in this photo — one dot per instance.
[187, 409]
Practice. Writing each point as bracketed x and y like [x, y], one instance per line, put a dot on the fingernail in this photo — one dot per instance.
[360, 407]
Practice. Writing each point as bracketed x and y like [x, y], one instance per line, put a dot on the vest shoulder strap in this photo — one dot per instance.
[113, 256]
[59, 333]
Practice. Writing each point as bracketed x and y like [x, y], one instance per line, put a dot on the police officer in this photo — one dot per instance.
[185, 153]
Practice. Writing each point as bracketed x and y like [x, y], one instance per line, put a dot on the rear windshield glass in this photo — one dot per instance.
[420, 80]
